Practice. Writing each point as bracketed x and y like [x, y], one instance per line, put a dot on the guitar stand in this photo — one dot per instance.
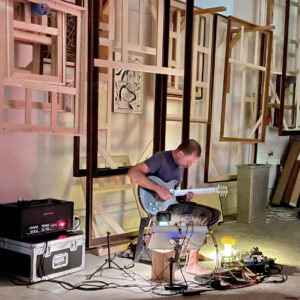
[110, 261]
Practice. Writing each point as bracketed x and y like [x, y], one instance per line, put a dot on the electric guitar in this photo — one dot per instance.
[153, 204]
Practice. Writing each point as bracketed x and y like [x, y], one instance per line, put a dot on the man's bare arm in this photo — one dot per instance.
[138, 174]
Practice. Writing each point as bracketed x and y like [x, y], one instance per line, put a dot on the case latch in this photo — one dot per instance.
[73, 246]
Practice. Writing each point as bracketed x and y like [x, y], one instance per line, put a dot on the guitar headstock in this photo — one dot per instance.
[222, 190]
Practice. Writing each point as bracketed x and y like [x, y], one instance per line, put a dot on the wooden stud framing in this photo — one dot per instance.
[285, 44]
[34, 32]
[124, 39]
[293, 126]
[137, 67]
[216, 169]
[241, 33]
[9, 39]
[159, 38]
[141, 21]
[124, 46]
[28, 106]
[62, 6]
[28, 26]
[60, 46]
[201, 66]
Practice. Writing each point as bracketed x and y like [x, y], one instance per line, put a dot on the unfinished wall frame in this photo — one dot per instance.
[283, 115]
[289, 112]
[221, 158]
[201, 65]
[238, 59]
[122, 44]
[57, 92]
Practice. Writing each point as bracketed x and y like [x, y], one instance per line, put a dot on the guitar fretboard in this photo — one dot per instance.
[195, 191]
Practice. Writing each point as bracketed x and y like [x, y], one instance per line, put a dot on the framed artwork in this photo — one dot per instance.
[128, 88]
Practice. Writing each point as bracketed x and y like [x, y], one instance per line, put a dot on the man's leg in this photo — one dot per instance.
[193, 267]
[202, 215]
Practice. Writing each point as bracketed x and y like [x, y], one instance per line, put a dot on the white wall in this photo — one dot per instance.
[35, 166]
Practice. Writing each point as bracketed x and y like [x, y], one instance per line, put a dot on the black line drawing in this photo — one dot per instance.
[128, 90]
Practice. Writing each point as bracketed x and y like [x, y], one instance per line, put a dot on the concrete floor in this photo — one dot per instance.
[278, 237]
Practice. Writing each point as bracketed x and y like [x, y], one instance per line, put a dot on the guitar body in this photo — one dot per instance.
[150, 200]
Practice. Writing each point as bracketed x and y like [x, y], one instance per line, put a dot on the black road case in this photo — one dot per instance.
[35, 261]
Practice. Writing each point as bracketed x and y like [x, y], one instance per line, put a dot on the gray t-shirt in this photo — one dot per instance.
[162, 165]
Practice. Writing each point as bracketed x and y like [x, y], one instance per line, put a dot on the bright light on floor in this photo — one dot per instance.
[213, 255]
[227, 250]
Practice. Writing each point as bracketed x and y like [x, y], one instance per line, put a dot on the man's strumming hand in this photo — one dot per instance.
[164, 193]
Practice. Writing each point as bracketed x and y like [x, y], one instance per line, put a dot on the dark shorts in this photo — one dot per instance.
[193, 212]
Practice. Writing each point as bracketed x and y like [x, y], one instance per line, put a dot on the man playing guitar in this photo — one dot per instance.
[168, 166]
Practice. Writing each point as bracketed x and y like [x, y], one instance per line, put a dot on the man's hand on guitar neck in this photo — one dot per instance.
[163, 193]
[189, 195]
[185, 197]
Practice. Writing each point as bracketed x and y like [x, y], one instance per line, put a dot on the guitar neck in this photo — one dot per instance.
[195, 191]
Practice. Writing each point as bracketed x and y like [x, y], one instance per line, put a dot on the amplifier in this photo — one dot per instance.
[23, 220]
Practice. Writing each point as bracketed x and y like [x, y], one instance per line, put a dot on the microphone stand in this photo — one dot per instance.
[171, 286]
[109, 261]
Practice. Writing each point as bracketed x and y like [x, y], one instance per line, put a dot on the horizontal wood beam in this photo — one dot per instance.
[18, 104]
[258, 28]
[179, 119]
[241, 140]
[62, 6]
[277, 105]
[112, 189]
[21, 35]
[246, 64]
[40, 129]
[105, 172]
[211, 10]
[242, 22]
[39, 86]
[130, 47]
[34, 27]
[137, 67]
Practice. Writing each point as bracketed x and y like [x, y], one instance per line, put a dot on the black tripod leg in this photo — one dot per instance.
[122, 269]
[109, 261]
[99, 269]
